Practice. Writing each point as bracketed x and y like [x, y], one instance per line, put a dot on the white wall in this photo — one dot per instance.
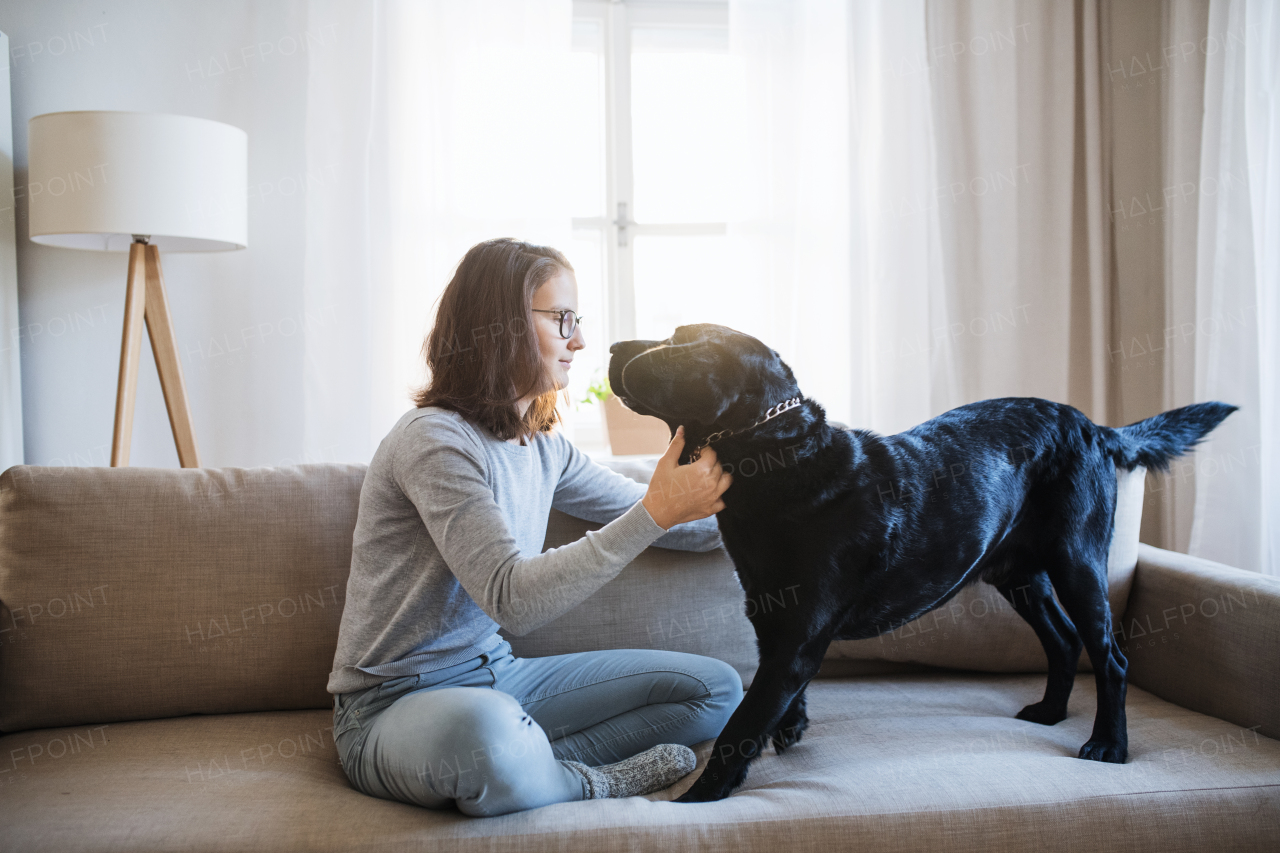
[239, 315]
[10, 370]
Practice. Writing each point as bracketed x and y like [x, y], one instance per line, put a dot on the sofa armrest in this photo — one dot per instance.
[1205, 636]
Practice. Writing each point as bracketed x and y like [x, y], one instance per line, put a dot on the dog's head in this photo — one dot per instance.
[704, 376]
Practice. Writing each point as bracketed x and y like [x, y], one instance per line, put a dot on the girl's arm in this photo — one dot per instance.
[594, 492]
[441, 470]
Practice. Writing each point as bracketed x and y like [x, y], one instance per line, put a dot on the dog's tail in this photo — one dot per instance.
[1153, 443]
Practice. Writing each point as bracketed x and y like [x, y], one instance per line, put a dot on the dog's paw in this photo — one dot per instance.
[1105, 750]
[788, 735]
[717, 781]
[694, 795]
[783, 739]
[1043, 714]
[710, 787]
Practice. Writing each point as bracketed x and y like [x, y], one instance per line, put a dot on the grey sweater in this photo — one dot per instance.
[448, 544]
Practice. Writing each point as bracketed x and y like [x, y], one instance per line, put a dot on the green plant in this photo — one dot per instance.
[598, 391]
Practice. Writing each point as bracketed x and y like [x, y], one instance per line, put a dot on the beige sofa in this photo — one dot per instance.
[165, 638]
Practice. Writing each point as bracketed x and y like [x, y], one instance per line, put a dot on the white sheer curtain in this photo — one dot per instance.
[1237, 354]
[445, 115]
[841, 220]
[792, 229]
[923, 209]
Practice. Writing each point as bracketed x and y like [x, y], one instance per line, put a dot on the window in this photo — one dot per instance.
[658, 102]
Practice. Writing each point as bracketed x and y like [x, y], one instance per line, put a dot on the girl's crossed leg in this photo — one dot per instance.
[494, 740]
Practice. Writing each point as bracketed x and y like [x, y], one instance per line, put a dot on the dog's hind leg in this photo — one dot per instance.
[1034, 602]
[1081, 585]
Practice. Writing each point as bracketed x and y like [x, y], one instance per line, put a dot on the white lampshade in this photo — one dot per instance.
[96, 178]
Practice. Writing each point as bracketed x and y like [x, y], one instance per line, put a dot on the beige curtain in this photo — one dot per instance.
[1020, 117]
[1145, 231]
[1184, 25]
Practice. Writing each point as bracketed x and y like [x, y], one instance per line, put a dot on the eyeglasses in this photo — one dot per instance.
[569, 321]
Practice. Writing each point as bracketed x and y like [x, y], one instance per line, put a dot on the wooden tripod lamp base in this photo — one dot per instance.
[145, 300]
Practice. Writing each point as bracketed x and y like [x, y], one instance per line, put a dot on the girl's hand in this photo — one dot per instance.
[679, 493]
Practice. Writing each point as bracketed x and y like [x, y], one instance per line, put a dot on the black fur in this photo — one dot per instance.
[860, 533]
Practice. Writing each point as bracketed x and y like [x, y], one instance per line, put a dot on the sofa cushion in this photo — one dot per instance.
[976, 630]
[132, 593]
[680, 601]
[898, 763]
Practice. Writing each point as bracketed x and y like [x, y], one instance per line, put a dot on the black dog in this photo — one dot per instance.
[868, 532]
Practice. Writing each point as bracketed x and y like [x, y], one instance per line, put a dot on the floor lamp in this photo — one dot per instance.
[140, 182]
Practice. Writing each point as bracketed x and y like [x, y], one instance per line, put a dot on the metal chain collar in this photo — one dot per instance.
[771, 412]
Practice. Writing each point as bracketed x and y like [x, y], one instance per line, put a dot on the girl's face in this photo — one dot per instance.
[559, 293]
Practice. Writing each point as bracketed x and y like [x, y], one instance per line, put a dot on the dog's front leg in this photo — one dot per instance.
[792, 725]
[776, 685]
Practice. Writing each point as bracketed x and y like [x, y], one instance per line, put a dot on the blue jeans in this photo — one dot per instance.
[491, 735]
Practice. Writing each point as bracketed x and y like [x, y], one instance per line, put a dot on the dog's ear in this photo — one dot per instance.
[709, 404]
[709, 386]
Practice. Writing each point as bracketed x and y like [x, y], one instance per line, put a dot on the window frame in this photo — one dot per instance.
[616, 230]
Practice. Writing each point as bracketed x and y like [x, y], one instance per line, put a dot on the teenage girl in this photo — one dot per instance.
[430, 705]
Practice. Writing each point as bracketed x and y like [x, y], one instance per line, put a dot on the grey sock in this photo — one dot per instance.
[652, 770]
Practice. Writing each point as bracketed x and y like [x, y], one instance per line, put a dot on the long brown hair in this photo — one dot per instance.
[482, 351]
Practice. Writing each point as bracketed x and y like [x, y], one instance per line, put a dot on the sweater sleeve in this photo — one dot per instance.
[442, 471]
[593, 492]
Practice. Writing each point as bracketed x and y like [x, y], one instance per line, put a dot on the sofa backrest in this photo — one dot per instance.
[136, 593]
[142, 593]
[139, 593]
[679, 601]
